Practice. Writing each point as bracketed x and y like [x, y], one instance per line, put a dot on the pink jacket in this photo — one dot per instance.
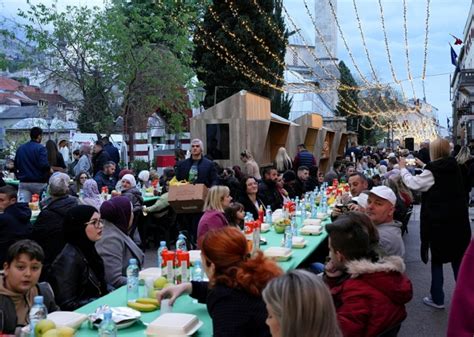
[461, 323]
[210, 220]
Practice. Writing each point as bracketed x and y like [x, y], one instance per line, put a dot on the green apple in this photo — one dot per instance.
[65, 331]
[43, 326]
[160, 282]
[51, 333]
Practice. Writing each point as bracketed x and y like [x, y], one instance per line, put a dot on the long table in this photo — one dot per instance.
[186, 304]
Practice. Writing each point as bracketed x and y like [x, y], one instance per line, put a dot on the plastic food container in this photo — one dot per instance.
[153, 273]
[312, 222]
[278, 253]
[174, 325]
[311, 230]
[62, 318]
[265, 227]
[298, 242]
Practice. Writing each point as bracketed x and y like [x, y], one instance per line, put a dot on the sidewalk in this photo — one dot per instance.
[423, 321]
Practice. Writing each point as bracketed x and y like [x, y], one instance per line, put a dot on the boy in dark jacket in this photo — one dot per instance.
[14, 220]
[19, 285]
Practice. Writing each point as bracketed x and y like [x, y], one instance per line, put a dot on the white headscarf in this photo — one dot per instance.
[131, 179]
[144, 175]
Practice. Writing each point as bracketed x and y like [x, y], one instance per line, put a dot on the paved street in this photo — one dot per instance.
[422, 321]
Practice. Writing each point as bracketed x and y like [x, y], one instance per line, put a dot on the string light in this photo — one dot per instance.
[425, 52]
[407, 50]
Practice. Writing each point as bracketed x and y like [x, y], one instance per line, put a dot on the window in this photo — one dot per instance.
[218, 142]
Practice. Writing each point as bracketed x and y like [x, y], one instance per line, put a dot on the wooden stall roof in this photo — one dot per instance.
[278, 119]
[311, 120]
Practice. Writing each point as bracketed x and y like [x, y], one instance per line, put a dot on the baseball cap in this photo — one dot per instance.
[384, 192]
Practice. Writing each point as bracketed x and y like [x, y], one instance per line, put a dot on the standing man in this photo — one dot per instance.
[197, 169]
[113, 152]
[99, 157]
[31, 162]
[303, 158]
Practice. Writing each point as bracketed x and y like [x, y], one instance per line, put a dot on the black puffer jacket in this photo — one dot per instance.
[73, 280]
[48, 228]
[14, 225]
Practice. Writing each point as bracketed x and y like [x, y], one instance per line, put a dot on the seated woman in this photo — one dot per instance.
[130, 190]
[144, 178]
[300, 304]
[236, 280]
[75, 189]
[19, 285]
[249, 199]
[77, 274]
[116, 246]
[91, 194]
[217, 199]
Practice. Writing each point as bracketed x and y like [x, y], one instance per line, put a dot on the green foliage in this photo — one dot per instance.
[281, 104]
[140, 165]
[131, 53]
[219, 77]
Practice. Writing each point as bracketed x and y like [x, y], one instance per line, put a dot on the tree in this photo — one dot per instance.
[71, 44]
[236, 27]
[348, 99]
[131, 54]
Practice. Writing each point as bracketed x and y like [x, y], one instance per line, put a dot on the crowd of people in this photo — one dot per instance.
[78, 248]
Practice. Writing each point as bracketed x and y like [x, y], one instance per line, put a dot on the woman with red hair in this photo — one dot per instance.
[236, 280]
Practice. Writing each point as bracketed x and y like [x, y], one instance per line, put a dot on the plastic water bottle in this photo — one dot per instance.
[158, 253]
[107, 327]
[132, 280]
[288, 237]
[37, 312]
[299, 215]
[268, 215]
[21, 197]
[181, 243]
[197, 272]
[256, 238]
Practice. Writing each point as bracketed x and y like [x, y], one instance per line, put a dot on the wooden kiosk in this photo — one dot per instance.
[244, 121]
[241, 121]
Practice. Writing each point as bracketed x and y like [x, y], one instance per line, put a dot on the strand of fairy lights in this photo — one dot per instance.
[353, 105]
[359, 24]
[320, 35]
[425, 52]
[407, 49]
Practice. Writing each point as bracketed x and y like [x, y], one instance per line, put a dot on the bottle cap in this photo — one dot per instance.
[132, 261]
[162, 243]
[108, 314]
[38, 299]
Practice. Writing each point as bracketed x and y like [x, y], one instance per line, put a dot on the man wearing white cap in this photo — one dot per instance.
[380, 209]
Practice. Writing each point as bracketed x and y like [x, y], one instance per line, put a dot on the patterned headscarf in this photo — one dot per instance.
[91, 194]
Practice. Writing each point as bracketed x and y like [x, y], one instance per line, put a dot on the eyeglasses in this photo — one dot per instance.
[97, 223]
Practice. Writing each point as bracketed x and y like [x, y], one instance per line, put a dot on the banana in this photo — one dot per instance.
[153, 301]
[142, 306]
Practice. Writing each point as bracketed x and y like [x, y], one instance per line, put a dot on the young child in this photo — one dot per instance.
[235, 214]
[19, 285]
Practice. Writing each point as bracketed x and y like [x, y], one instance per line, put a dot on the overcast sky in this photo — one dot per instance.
[446, 16]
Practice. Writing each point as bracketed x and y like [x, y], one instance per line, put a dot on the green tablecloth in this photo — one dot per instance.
[147, 200]
[186, 304]
[12, 182]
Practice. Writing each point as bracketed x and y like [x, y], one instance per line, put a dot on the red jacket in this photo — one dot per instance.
[372, 300]
[461, 323]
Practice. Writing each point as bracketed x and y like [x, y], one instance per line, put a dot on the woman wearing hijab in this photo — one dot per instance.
[77, 274]
[116, 247]
[130, 190]
[91, 195]
[144, 178]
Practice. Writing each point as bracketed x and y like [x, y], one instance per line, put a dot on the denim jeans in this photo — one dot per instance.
[437, 293]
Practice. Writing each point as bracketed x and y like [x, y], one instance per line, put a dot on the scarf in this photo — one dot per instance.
[91, 194]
